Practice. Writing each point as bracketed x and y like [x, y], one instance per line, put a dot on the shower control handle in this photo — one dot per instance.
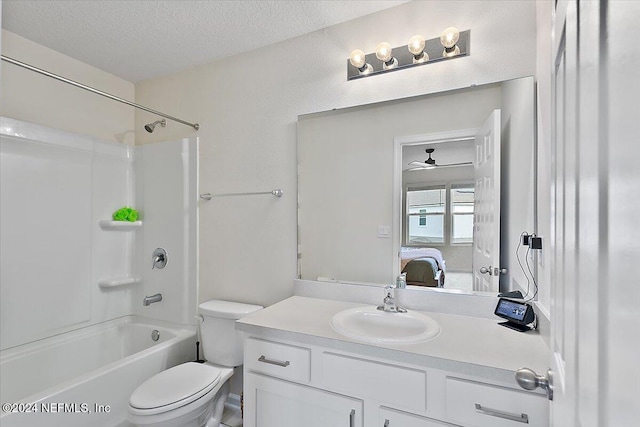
[159, 258]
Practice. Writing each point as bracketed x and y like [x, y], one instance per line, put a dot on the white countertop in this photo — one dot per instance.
[469, 345]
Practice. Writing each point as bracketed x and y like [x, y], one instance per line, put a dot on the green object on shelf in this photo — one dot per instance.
[125, 214]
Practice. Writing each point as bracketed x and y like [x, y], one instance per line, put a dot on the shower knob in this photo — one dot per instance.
[159, 258]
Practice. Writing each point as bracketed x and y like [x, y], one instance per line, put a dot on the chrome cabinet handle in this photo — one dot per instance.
[522, 418]
[386, 422]
[352, 418]
[264, 359]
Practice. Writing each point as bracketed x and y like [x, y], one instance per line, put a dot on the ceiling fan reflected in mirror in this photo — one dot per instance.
[430, 163]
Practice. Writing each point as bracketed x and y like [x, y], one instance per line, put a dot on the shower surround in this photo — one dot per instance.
[65, 269]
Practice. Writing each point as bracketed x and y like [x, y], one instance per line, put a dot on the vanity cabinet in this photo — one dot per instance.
[271, 402]
[288, 383]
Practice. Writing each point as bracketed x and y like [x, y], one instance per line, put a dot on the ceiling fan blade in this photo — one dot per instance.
[421, 165]
[455, 164]
[417, 165]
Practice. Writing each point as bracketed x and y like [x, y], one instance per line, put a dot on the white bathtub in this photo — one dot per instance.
[70, 379]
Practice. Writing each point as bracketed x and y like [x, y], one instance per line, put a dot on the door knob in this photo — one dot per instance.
[493, 271]
[529, 380]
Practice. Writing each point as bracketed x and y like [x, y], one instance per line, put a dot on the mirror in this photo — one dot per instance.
[352, 201]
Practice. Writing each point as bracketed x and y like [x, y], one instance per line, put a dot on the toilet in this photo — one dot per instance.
[193, 394]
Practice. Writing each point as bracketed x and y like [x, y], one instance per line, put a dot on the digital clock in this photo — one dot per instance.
[518, 314]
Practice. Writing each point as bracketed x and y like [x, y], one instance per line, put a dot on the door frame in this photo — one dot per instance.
[398, 143]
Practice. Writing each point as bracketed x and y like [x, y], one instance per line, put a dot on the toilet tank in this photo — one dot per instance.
[221, 343]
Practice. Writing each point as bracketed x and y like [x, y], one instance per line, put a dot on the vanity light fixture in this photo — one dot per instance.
[417, 51]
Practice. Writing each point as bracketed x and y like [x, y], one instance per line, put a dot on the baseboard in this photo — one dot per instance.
[233, 402]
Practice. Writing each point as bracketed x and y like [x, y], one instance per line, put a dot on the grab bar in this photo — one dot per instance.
[209, 196]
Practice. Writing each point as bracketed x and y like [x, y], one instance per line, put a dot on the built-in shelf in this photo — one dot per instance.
[119, 225]
[119, 281]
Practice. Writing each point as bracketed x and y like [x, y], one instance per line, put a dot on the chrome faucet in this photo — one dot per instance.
[389, 303]
[151, 299]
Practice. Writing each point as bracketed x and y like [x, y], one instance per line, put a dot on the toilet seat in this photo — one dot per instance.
[174, 388]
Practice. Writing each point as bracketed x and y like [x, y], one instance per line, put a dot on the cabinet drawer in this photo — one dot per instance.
[278, 360]
[482, 405]
[389, 384]
[392, 418]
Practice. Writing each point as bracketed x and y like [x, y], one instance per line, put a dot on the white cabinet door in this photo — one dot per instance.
[271, 402]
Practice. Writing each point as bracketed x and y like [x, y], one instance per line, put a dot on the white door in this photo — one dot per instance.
[594, 206]
[563, 243]
[486, 216]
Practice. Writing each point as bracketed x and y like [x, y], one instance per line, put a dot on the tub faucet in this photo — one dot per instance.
[151, 299]
[389, 303]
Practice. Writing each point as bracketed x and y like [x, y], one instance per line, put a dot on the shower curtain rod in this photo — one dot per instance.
[196, 126]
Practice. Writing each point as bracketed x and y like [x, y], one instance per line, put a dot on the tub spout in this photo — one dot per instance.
[151, 299]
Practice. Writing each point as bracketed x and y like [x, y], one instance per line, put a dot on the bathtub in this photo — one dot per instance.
[85, 377]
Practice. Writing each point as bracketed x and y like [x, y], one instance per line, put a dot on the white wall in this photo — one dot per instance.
[247, 106]
[517, 181]
[35, 98]
[544, 19]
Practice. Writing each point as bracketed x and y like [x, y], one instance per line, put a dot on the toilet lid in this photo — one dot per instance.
[175, 387]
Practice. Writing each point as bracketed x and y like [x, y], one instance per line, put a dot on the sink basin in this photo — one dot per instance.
[376, 326]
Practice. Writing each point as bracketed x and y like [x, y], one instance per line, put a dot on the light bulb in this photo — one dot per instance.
[448, 39]
[384, 54]
[416, 47]
[359, 60]
[383, 51]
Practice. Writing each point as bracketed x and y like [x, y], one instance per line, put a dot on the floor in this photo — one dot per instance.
[458, 280]
[231, 417]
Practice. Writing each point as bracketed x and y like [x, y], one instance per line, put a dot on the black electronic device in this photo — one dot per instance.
[518, 314]
[511, 294]
[536, 242]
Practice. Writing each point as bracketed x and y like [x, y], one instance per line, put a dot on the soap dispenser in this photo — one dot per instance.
[401, 281]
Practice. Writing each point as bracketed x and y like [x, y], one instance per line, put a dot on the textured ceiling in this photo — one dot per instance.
[140, 39]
